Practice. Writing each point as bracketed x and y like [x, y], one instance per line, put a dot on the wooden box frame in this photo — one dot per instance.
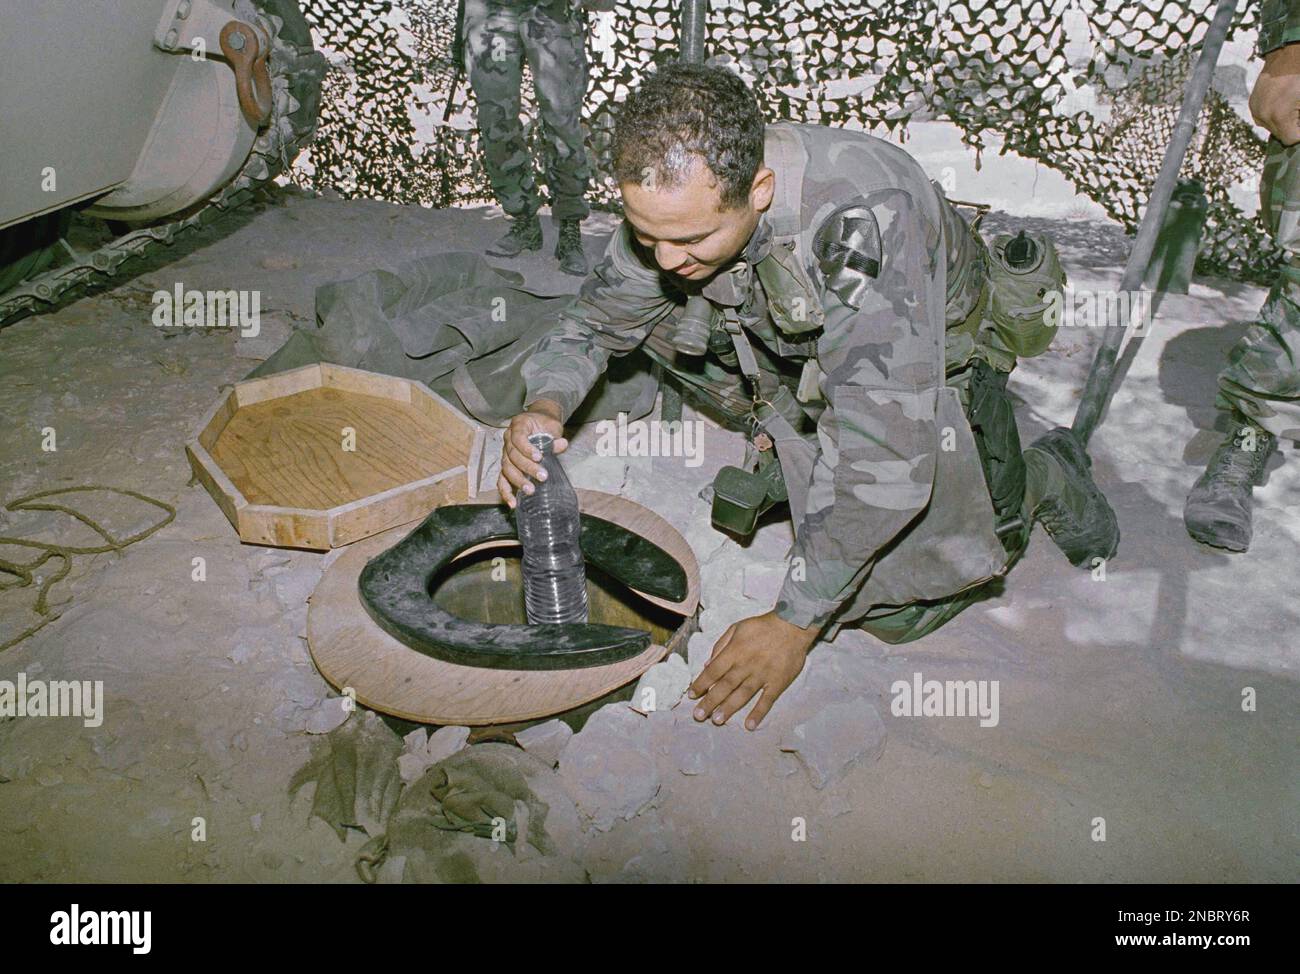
[322, 529]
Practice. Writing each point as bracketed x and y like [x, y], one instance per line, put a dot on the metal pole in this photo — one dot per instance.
[1096, 394]
[694, 13]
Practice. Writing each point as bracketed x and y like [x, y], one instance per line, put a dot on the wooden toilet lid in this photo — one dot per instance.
[350, 650]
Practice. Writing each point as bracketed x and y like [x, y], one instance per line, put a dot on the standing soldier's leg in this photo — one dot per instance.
[554, 42]
[494, 58]
[1260, 387]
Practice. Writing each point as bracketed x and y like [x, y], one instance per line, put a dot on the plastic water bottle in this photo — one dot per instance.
[555, 576]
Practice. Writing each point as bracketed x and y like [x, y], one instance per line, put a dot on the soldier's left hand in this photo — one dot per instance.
[760, 654]
[1275, 100]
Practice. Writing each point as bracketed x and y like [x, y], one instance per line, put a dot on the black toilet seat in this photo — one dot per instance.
[394, 588]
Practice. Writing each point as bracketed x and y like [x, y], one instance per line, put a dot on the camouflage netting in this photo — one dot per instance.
[997, 67]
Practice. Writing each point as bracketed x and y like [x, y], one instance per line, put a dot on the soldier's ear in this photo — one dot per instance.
[762, 189]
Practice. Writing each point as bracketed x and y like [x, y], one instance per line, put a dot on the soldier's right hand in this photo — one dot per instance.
[1275, 100]
[520, 460]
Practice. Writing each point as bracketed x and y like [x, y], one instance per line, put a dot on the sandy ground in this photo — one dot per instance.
[1120, 698]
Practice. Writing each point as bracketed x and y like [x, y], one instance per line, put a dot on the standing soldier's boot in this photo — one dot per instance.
[1066, 501]
[569, 248]
[525, 233]
[1218, 510]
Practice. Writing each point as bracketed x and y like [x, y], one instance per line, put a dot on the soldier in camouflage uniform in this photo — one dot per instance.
[499, 34]
[865, 291]
[1259, 390]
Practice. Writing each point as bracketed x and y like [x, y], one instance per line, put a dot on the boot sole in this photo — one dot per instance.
[510, 253]
[1217, 544]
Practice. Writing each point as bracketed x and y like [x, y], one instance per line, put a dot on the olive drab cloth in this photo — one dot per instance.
[456, 323]
[863, 266]
[551, 36]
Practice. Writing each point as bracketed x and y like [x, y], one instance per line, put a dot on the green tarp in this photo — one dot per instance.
[461, 326]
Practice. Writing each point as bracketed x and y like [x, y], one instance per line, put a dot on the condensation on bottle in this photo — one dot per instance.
[555, 576]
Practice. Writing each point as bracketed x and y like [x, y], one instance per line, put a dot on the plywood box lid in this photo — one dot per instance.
[324, 455]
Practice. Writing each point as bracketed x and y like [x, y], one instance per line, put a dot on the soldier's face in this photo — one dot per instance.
[684, 228]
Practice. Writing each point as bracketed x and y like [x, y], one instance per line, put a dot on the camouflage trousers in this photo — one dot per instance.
[1262, 378]
[499, 35]
[704, 380]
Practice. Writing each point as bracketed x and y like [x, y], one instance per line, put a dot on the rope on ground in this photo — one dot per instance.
[25, 573]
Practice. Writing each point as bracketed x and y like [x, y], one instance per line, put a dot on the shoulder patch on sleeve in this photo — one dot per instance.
[848, 252]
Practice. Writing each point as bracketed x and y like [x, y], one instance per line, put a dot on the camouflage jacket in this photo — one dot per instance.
[1279, 24]
[862, 264]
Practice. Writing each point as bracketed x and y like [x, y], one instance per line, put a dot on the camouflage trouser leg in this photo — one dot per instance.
[994, 424]
[917, 619]
[726, 392]
[1262, 379]
[901, 624]
[494, 64]
[556, 48]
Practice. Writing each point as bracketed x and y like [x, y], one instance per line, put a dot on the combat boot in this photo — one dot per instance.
[1072, 507]
[569, 248]
[525, 233]
[1218, 510]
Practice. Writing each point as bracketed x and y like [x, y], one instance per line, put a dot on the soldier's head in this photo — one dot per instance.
[688, 158]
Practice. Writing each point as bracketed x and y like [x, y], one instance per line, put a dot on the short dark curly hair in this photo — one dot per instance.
[687, 110]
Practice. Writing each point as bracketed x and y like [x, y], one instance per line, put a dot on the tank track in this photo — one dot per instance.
[296, 75]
